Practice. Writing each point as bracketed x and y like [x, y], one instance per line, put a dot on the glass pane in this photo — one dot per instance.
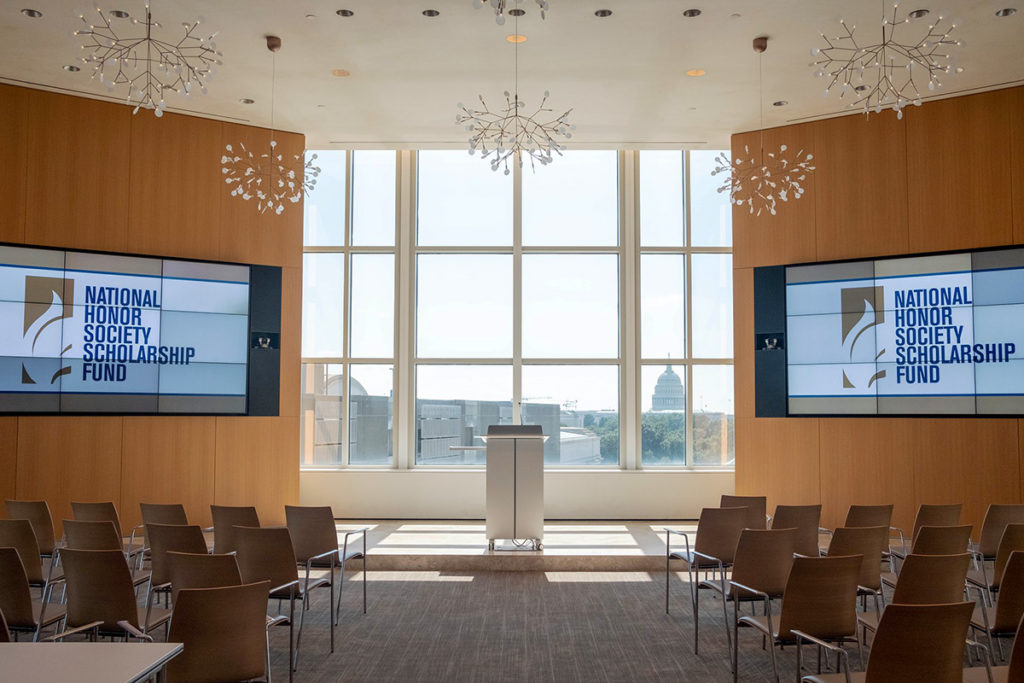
[570, 306]
[714, 420]
[578, 407]
[323, 223]
[663, 421]
[323, 287]
[454, 406]
[464, 306]
[321, 410]
[572, 201]
[373, 198]
[710, 210]
[661, 199]
[372, 325]
[370, 415]
[461, 201]
[662, 306]
[712, 305]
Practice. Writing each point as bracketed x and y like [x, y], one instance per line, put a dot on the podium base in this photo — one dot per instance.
[531, 544]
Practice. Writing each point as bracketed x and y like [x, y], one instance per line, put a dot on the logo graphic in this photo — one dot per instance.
[47, 300]
[859, 316]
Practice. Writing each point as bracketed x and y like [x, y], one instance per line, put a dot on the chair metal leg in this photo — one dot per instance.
[695, 602]
[364, 573]
[341, 585]
[735, 641]
[291, 636]
[668, 560]
[775, 666]
[298, 638]
[267, 665]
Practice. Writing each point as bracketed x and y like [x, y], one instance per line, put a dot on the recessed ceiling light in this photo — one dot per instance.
[696, 72]
[344, 13]
[861, 88]
[32, 13]
[691, 13]
[780, 103]
[918, 13]
[1005, 12]
[246, 100]
[311, 16]
[735, 15]
[321, 106]
[119, 13]
[340, 73]
[516, 38]
[603, 13]
[70, 67]
[430, 12]
[516, 12]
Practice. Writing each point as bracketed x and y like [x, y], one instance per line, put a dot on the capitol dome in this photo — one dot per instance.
[668, 392]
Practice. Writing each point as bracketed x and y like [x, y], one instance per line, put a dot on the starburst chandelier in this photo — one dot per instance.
[499, 7]
[147, 65]
[271, 178]
[760, 182]
[512, 131]
[888, 74]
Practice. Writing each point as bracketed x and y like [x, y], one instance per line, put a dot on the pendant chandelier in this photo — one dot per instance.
[500, 6]
[270, 177]
[760, 182]
[147, 65]
[889, 74]
[512, 131]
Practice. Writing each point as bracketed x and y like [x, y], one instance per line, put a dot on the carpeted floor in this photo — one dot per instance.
[521, 626]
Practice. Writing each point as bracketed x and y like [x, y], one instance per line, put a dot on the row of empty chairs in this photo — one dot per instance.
[748, 557]
[100, 572]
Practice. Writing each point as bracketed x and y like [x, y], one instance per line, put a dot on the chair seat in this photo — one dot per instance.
[54, 613]
[140, 576]
[301, 589]
[688, 558]
[868, 620]
[760, 623]
[978, 620]
[889, 579]
[977, 674]
[58, 573]
[157, 617]
[976, 578]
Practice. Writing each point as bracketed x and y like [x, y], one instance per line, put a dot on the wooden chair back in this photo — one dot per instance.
[867, 541]
[757, 509]
[18, 534]
[805, 519]
[266, 555]
[1015, 672]
[163, 513]
[1010, 605]
[312, 530]
[821, 598]
[164, 538]
[97, 512]
[200, 570]
[225, 519]
[942, 540]
[937, 515]
[932, 579]
[718, 532]
[100, 588]
[224, 633]
[1011, 541]
[763, 560]
[37, 512]
[996, 519]
[15, 594]
[869, 515]
[920, 643]
[97, 535]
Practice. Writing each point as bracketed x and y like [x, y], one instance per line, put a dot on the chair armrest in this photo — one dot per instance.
[697, 553]
[321, 556]
[361, 530]
[291, 584]
[274, 621]
[801, 636]
[737, 584]
[134, 632]
[92, 627]
[669, 533]
[985, 657]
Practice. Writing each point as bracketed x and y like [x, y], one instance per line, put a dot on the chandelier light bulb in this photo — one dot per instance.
[501, 8]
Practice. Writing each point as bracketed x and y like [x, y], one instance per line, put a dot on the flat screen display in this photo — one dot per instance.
[937, 334]
[102, 333]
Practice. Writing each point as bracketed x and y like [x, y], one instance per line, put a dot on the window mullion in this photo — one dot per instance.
[517, 294]
[688, 311]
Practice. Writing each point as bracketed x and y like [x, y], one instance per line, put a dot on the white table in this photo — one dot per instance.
[86, 662]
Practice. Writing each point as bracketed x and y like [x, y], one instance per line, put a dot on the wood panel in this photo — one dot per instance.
[8, 457]
[14, 143]
[1017, 162]
[77, 172]
[64, 459]
[176, 186]
[860, 186]
[291, 340]
[779, 459]
[743, 341]
[867, 462]
[168, 460]
[788, 236]
[958, 172]
[248, 236]
[257, 464]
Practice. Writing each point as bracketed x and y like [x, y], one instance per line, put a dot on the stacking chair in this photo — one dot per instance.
[224, 634]
[913, 643]
[225, 519]
[869, 542]
[805, 519]
[1013, 673]
[163, 513]
[864, 515]
[762, 561]
[100, 589]
[714, 546]
[200, 570]
[1001, 620]
[163, 538]
[37, 512]
[23, 614]
[106, 512]
[996, 519]
[100, 535]
[925, 580]
[820, 600]
[267, 555]
[315, 541]
[42, 574]
[757, 509]
[1012, 540]
[927, 515]
[935, 540]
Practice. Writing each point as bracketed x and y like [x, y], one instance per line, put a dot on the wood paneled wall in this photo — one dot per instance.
[948, 176]
[84, 174]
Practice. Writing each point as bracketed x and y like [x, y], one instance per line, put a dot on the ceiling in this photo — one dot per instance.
[623, 76]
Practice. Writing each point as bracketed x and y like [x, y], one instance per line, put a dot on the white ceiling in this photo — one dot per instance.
[623, 76]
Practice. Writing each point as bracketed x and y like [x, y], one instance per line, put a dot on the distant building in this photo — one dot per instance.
[668, 392]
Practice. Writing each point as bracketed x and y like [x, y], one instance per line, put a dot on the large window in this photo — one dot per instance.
[440, 298]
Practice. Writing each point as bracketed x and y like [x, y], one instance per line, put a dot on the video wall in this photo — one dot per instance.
[937, 334]
[93, 333]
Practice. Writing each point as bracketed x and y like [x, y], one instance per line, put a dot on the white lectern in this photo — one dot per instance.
[515, 485]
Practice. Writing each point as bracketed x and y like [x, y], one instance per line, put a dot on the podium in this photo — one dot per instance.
[515, 485]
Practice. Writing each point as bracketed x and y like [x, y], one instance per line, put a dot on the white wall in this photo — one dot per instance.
[459, 494]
